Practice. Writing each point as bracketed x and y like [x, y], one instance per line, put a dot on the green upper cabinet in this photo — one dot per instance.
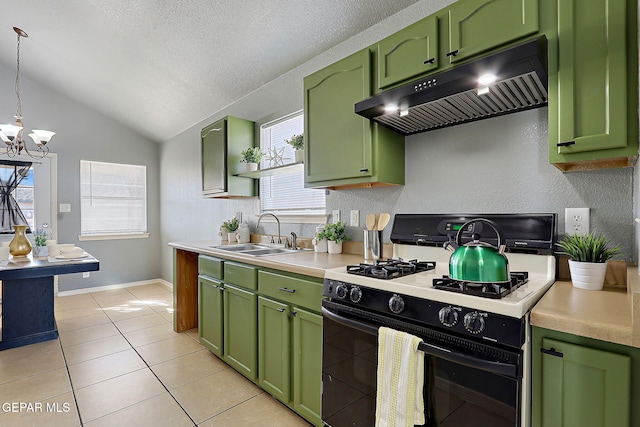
[476, 26]
[593, 119]
[221, 145]
[408, 53]
[343, 149]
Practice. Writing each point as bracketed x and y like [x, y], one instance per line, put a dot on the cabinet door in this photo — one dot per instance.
[214, 155]
[274, 346]
[241, 330]
[307, 364]
[592, 77]
[408, 53]
[337, 140]
[210, 314]
[584, 386]
[476, 26]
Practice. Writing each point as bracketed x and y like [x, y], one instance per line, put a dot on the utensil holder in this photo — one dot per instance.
[372, 244]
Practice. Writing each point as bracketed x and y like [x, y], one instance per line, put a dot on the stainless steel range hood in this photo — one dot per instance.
[454, 96]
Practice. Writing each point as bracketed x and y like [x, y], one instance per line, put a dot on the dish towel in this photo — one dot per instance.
[399, 399]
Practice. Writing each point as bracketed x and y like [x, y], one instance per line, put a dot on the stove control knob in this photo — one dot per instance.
[356, 294]
[448, 316]
[342, 291]
[474, 322]
[396, 304]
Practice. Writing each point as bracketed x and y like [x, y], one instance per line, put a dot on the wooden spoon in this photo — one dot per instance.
[383, 220]
[371, 221]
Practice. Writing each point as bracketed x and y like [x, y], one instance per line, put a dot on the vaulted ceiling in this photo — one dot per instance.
[161, 66]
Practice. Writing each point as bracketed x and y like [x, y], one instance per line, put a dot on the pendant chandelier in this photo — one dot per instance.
[12, 134]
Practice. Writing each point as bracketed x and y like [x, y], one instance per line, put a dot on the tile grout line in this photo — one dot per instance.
[154, 374]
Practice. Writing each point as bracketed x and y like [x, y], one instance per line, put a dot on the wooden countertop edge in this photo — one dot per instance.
[308, 263]
[605, 315]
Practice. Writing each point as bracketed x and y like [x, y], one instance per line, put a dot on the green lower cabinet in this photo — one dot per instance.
[307, 364]
[274, 348]
[210, 314]
[581, 382]
[241, 330]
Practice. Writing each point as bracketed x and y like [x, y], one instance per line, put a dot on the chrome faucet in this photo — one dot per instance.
[279, 241]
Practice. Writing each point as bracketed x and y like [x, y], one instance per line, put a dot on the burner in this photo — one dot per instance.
[390, 268]
[487, 290]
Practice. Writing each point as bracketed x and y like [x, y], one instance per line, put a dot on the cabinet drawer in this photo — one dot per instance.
[210, 266]
[295, 291]
[241, 275]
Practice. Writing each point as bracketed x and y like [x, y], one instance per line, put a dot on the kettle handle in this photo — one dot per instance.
[491, 224]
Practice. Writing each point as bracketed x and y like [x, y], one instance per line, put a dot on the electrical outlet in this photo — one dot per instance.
[354, 219]
[576, 221]
[239, 216]
[86, 274]
[336, 216]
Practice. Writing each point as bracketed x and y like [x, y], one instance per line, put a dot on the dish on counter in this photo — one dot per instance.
[72, 256]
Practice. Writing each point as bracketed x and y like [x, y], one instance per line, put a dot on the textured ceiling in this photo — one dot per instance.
[161, 66]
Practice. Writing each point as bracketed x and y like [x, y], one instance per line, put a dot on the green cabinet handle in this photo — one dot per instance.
[291, 291]
[430, 61]
[453, 53]
[565, 144]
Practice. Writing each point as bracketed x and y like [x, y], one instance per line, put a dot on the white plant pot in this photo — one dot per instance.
[587, 275]
[252, 167]
[231, 237]
[333, 247]
[299, 155]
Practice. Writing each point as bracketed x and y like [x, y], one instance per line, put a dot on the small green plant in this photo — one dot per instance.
[231, 225]
[40, 237]
[251, 155]
[591, 247]
[296, 141]
[334, 232]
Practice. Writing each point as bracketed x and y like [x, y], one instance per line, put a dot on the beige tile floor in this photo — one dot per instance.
[118, 362]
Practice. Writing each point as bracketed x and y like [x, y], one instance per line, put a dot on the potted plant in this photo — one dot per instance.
[335, 235]
[297, 142]
[588, 255]
[40, 239]
[230, 227]
[251, 156]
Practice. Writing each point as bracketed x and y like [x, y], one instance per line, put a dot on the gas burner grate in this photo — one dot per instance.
[390, 268]
[486, 290]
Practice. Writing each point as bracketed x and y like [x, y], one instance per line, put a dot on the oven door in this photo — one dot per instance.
[466, 382]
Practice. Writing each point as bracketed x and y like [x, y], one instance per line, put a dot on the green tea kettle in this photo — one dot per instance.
[477, 261]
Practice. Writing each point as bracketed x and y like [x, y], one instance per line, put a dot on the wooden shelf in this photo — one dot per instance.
[278, 170]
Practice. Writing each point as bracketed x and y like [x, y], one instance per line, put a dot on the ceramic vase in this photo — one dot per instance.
[231, 237]
[251, 167]
[333, 247]
[20, 245]
[587, 275]
[299, 155]
[40, 251]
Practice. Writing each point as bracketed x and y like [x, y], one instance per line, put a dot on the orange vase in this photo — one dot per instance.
[20, 245]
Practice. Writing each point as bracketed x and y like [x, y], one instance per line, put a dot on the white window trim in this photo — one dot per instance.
[84, 237]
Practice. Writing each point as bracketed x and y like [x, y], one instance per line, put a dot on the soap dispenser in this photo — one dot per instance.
[244, 234]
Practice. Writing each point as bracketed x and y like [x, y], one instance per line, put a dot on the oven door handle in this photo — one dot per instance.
[500, 368]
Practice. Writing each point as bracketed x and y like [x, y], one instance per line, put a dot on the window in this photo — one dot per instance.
[113, 199]
[285, 194]
[25, 196]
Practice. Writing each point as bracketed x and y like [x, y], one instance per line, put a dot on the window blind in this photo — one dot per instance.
[285, 193]
[113, 198]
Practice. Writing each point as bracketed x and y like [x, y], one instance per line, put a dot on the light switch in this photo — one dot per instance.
[65, 207]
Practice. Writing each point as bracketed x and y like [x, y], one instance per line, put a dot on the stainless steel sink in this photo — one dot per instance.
[257, 249]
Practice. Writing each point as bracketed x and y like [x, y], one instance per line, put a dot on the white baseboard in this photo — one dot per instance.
[163, 282]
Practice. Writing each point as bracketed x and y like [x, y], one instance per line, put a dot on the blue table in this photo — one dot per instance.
[27, 297]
